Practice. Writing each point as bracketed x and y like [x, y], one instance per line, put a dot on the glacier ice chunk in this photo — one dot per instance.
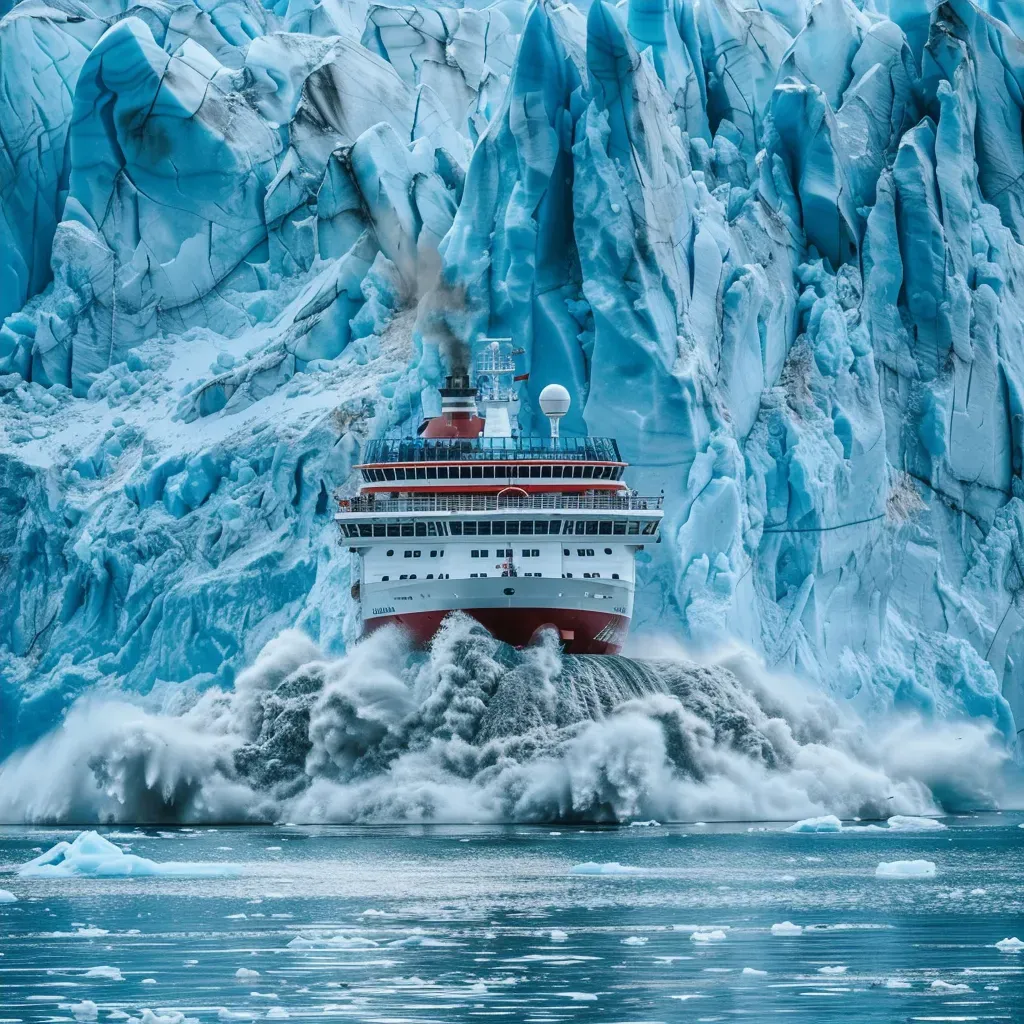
[906, 869]
[90, 855]
[826, 823]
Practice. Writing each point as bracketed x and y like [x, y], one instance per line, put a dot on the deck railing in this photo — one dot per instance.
[369, 504]
[490, 449]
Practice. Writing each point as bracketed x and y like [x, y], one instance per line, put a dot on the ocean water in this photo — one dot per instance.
[444, 923]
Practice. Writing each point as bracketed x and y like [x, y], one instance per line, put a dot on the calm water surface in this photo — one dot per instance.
[454, 924]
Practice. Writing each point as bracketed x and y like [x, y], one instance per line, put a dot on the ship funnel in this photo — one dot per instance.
[458, 396]
[554, 403]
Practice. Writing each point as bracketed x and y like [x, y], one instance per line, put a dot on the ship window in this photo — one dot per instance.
[389, 474]
[412, 576]
[565, 551]
[590, 552]
[478, 472]
[577, 471]
[620, 527]
[469, 529]
[430, 575]
[509, 591]
[535, 471]
[440, 553]
[586, 575]
[634, 528]
[474, 575]
[597, 576]
[407, 529]
[615, 575]
[526, 528]
[455, 529]
[606, 526]
[526, 552]
[431, 472]
[421, 529]
[588, 471]
[392, 529]
[650, 527]
[485, 553]
[556, 470]
[433, 554]
[498, 529]
[403, 577]
[592, 527]
[390, 553]
[483, 529]
[416, 554]
[384, 579]
[483, 575]
[442, 472]
[421, 473]
[475, 553]
[512, 529]
[488, 472]
[540, 527]
[432, 529]
[580, 526]
[408, 554]
[581, 552]
[568, 575]
[545, 471]
[365, 530]
[378, 530]
[607, 551]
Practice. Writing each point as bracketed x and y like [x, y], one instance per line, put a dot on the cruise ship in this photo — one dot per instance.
[525, 534]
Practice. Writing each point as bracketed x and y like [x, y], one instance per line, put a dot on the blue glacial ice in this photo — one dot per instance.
[774, 249]
[90, 855]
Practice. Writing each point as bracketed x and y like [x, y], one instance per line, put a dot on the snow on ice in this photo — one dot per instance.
[233, 235]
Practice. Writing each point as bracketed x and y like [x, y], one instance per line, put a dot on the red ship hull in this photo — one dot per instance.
[582, 632]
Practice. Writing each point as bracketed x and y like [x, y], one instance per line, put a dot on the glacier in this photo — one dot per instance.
[774, 248]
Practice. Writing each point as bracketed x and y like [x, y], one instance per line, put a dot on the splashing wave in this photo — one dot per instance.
[473, 730]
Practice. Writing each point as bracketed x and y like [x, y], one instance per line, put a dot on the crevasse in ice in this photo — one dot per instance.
[775, 249]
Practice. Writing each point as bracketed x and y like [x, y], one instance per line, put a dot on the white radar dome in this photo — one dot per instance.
[554, 403]
[555, 400]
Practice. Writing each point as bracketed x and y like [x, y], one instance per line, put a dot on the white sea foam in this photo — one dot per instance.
[383, 737]
[837, 969]
[557, 935]
[906, 869]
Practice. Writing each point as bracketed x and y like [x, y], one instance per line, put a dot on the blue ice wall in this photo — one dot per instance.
[775, 249]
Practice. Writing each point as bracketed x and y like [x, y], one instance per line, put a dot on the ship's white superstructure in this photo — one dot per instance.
[522, 533]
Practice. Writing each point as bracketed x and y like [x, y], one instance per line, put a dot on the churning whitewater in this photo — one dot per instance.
[473, 730]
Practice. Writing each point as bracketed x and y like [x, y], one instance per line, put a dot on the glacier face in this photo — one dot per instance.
[774, 248]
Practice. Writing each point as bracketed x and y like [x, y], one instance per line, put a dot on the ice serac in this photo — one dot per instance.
[775, 249]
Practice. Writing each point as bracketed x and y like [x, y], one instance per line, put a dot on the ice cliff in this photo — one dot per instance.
[776, 248]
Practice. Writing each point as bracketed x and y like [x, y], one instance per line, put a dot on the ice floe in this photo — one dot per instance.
[1013, 945]
[713, 935]
[6, 896]
[110, 973]
[608, 868]
[906, 869]
[826, 823]
[91, 855]
[787, 928]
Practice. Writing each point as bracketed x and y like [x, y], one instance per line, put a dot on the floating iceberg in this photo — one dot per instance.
[713, 935]
[6, 896]
[91, 855]
[906, 869]
[608, 868]
[787, 928]
[109, 973]
[1013, 945]
[827, 823]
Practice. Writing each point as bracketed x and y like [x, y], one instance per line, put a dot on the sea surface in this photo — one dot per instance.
[415, 924]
